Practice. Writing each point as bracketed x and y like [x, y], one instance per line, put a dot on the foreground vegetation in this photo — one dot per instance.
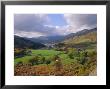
[72, 62]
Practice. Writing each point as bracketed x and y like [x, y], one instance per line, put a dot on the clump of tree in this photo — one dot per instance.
[83, 57]
[92, 53]
[20, 52]
[34, 60]
[47, 62]
[72, 53]
[39, 60]
[78, 54]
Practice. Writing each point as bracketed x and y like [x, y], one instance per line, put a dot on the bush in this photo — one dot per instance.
[70, 53]
[55, 57]
[92, 53]
[43, 59]
[19, 52]
[34, 60]
[47, 62]
[20, 63]
[73, 53]
[83, 57]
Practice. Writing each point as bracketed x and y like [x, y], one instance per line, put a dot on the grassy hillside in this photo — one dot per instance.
[20, 42]
[87, 40]
[90, 37]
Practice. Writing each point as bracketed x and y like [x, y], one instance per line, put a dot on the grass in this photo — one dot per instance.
[48, 54]
[45, 52]
[24, 59]
[66, 59]
[90, 37]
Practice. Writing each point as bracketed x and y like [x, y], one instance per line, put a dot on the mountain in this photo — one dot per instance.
[20, 42]
[58, 39]
[79, 33]
[82, 39]
[48, 39]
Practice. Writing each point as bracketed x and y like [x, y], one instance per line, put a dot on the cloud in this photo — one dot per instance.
[28, 34]
[32, 25]
[81, 21]
[30, 22]
[35, 25]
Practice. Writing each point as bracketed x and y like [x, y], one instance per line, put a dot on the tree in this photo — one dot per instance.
[34, 60]
[83, 57]
[43, 59]
[70, 53]
[47, 62]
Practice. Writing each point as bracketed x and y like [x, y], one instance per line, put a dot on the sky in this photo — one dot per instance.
[36, 25]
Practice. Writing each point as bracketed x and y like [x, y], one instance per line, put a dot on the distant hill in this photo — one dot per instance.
[82, 39]
[48, 39]
[80, 33]
[20, 42]
[57, 38]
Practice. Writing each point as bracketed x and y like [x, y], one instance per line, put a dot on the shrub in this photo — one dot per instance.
[43, 59]
[73, 53]
[34, 60]
[20, 63]
[70, 53]
[47, 62]
[19, 52]
[92, 53]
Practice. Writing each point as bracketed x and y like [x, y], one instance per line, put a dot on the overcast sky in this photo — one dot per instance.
[35, 25]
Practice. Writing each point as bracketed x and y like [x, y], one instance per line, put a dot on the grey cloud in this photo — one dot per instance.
[32, 23]
[29, 22]
[39, 24]
[79, 20]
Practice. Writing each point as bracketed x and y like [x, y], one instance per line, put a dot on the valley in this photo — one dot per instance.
[72, 55]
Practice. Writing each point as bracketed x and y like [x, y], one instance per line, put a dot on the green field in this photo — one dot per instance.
[48, 54]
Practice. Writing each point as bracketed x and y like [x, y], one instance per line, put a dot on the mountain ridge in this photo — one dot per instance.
[20, 42]
[59, 38]
[82, 32]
